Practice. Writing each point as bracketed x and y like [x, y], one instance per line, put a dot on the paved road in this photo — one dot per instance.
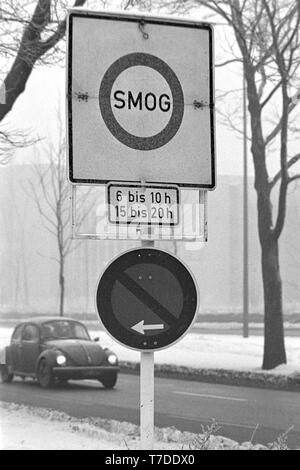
[183, 404]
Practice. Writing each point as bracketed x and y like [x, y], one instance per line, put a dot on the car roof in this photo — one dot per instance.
[41, 320]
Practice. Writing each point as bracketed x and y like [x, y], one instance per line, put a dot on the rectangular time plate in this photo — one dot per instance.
[143, 204]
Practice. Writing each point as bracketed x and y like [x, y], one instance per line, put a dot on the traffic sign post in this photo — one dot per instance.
[140, 117]
[147, 391]
[146, 299]
[141, 109]
[126, 220]
[161, 304]
[143, 204]
[147, 400]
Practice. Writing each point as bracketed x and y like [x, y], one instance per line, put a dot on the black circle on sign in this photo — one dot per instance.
[110, 76]
[119, 273]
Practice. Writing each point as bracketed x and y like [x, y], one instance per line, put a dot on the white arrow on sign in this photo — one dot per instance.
[141, 328]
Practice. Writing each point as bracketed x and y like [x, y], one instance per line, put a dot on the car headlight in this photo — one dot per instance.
[61, 360]
[112, 359]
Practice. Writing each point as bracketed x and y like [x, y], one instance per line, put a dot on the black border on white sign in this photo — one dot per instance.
[115, 273]
[138, 19]
[131, 185]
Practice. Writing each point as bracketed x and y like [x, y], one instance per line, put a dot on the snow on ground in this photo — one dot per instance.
[43, 429]
[207, 351]
[288, 325]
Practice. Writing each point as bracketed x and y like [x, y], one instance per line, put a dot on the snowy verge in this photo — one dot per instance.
[221, 376]
[45, 429]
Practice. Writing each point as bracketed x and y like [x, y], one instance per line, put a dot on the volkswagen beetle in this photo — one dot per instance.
[56, 350]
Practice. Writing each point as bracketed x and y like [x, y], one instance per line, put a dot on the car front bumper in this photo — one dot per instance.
[79, 373]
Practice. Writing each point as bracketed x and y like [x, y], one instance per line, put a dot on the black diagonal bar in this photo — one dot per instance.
[147, 299]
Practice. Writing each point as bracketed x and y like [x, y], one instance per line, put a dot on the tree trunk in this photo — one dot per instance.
[62, 288]
[274, 349]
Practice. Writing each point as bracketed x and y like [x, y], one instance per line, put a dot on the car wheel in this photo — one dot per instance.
[6, 376]
[45, 374]
[109, 381]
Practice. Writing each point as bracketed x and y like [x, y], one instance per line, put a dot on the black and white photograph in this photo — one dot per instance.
[149, 227]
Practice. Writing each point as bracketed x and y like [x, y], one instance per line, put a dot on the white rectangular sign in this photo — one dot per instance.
[140, 100]
[143, 205]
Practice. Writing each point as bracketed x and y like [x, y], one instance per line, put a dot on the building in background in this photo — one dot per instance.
[29, 275]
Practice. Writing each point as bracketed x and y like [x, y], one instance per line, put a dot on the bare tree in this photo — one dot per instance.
[31, 33]
[267, 38]
[12, 139]
[51, 194]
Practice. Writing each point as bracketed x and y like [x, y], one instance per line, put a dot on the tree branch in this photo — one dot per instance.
[31, 49]
[267, 99]
[227, 62]
[291, 162]
[293, 178]
[278, 126]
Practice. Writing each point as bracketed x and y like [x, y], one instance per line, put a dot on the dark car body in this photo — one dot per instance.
[57, 349]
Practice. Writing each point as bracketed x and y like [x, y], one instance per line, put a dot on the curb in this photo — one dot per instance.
[219, 376]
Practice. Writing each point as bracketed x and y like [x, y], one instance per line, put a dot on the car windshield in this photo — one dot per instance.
[63, 329]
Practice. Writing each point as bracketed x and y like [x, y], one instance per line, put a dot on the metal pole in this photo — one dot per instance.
[245, 218]
[147, 389]
[147, 400]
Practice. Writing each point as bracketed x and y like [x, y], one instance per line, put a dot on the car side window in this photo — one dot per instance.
[30, 334]
[17, 334]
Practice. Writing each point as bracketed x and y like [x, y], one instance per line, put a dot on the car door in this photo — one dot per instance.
[15, 348]
[30, 348]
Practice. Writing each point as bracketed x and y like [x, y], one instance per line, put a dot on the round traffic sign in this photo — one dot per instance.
[146, 299]
[117, 130]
